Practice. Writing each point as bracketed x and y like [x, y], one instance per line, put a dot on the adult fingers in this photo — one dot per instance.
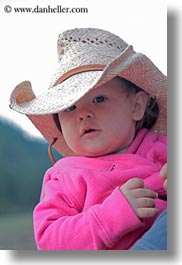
[163, 172]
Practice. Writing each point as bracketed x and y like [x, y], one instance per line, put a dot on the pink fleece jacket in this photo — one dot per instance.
[81, 206]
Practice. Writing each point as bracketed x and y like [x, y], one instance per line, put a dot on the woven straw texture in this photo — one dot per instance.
[87, 46]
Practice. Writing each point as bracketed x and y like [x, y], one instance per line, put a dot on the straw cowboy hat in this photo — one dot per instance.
[88, 58]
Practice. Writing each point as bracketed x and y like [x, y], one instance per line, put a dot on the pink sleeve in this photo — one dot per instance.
[59, 225]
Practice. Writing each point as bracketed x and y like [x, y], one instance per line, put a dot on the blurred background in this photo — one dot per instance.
[23, 161]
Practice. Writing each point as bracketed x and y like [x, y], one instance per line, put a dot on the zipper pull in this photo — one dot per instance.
[112, 168]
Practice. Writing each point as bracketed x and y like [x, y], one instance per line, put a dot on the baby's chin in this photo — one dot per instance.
[93, 153]
[97, 153]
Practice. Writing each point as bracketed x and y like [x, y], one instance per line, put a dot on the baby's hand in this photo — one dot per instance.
[163, 174]
[140, 198]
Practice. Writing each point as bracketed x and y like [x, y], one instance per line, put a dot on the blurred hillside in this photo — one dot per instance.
[23, 162]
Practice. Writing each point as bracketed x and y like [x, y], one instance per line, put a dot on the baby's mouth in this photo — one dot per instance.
[87, 131]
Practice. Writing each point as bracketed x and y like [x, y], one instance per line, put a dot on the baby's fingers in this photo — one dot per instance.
[145, 203]
[145, 193]
[134, 183]
[146, 212]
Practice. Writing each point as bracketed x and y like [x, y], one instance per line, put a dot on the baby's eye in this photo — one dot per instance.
[71, 108]
[99, 99]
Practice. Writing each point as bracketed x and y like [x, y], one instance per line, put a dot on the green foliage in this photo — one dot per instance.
[23, 162]
[16, 232]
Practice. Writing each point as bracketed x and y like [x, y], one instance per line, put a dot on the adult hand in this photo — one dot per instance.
[163, 174]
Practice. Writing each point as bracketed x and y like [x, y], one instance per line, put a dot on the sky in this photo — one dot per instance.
[28, 40]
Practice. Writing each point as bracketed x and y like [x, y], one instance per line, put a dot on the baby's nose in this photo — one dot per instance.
[86, 114]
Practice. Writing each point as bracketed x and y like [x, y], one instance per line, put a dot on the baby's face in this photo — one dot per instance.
[102, 122]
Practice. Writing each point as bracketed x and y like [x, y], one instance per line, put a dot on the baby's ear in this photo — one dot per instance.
[139, 105]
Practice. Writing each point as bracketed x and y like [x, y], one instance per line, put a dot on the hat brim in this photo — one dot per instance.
[135, 67]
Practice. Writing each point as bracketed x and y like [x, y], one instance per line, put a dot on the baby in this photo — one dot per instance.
[105, 112]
